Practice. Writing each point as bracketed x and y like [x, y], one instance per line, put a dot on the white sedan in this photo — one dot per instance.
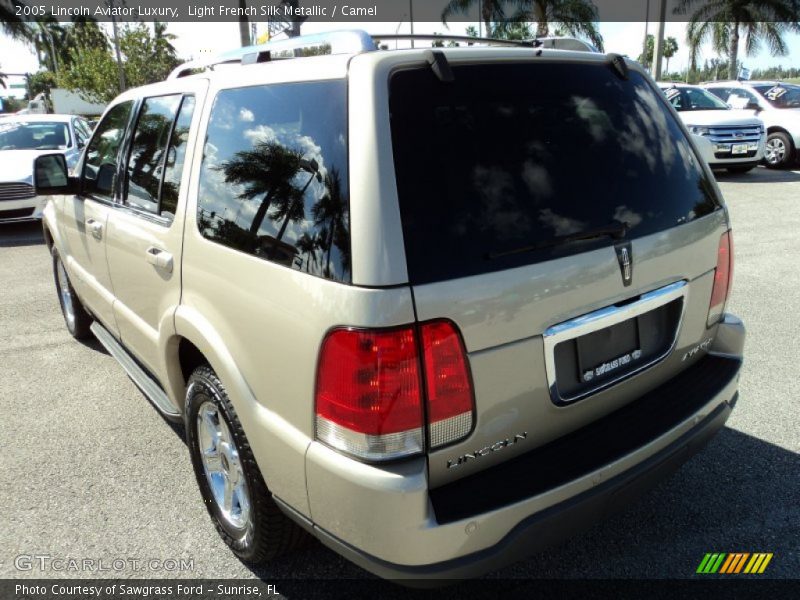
[22, 139]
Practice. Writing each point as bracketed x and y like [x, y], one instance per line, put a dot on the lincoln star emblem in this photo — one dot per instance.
[625, 258]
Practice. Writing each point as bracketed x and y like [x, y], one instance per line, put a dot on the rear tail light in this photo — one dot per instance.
[723, 277]
[369, 401]
[369, 394]
[447, 383]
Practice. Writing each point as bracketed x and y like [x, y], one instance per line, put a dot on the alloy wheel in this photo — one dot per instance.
[222, 466]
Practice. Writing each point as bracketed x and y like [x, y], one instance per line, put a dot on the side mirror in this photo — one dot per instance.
[752, 106]
[50, 176]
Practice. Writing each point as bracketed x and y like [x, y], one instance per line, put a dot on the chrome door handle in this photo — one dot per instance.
[159, 258]
[95, 227]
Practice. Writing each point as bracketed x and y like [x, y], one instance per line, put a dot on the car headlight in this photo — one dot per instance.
[697, 130]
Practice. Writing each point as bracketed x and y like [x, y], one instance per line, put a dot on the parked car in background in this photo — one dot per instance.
[775, 103]
[388, 308]
[22, 139]
[727, 139]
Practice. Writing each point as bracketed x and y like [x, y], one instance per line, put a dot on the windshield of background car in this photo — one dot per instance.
[39, 135]
[689, 99]
[780, 96]
[513, 155]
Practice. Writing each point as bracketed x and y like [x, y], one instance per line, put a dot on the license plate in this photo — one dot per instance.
[739, 149]
[611, 349]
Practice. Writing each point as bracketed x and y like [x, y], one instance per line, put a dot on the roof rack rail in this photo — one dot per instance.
[352, 41]
[555, 42]
[455, 38]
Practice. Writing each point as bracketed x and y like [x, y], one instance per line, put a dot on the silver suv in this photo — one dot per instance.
[437, 308]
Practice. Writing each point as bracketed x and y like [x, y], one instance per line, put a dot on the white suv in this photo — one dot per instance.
[775, 103]
[727, 139]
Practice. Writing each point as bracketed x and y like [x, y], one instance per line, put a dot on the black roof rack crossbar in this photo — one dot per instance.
[457, 38]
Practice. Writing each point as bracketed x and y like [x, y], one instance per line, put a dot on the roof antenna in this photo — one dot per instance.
[439, 65]
[618, 64]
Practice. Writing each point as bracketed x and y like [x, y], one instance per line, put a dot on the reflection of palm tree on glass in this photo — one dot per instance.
[267, 171]
[293, 209]
[146, 164]
[330, 213]
[308, 245]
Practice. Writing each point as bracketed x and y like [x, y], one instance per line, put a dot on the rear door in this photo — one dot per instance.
[84, 216]
[557, 214]
[146, 228]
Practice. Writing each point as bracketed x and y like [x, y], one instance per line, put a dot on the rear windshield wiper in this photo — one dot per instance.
[616, 231]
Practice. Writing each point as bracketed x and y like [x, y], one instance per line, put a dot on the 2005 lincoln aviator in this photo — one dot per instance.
[439, 308]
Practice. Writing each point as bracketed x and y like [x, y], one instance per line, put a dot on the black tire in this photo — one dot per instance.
[780, 151]
[739, 170]
[79, 321]
[267, 532]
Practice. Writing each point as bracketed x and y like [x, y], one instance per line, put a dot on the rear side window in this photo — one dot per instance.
[274, 176]
[509, 163]
[102, 154]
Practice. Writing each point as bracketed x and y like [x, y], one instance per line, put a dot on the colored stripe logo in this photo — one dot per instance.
[732, 563]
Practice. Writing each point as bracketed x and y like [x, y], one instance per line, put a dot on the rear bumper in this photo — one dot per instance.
[389, 523]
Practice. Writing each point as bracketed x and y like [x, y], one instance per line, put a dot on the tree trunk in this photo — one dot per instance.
[486, 16]
[540, 15]
[733, 71]
[666, 69]
[244, 26]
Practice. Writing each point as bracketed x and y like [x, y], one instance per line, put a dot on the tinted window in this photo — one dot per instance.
[781, 96]
[496, 167]
[100, 166]
[146, 163]
[274, 176]
[688, 99]
[175, 158]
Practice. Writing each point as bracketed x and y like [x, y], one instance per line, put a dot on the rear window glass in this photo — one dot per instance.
[506, 165]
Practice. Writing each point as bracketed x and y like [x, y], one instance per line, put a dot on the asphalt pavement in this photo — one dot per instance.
[89, 470]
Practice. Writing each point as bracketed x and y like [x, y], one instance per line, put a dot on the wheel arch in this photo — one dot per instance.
[196, 341]
[778, 129]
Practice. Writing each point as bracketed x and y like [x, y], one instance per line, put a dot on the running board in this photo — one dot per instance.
[140, 377]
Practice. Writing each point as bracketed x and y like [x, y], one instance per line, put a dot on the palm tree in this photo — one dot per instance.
[163, 40]
[308, 245]
[670, 48]
[575, 17]
[725, 22]
[490, 10]
[646, 58]
[13, 26]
